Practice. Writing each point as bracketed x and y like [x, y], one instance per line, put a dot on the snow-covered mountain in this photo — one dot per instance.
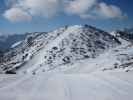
[127, 34]
[70, 63]
[62, 46]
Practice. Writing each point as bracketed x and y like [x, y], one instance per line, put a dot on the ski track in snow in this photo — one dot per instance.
[54, 86]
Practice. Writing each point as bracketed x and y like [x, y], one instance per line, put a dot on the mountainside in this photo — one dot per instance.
[62, 46]
[70, 63]
[127, 34]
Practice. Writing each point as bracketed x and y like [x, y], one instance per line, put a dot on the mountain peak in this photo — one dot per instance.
[65, 45]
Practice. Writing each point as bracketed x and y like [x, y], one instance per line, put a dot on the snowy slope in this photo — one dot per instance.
[105, 76]
[74, 44]
[85, 86]
[19, 55]
[62, 46]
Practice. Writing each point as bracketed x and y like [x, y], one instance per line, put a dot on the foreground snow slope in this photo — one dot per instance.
[90, 79]
[52, 86]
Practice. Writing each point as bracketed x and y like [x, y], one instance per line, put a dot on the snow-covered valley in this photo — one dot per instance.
[70, 63]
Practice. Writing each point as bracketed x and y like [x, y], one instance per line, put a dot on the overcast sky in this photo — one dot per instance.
[20, 16]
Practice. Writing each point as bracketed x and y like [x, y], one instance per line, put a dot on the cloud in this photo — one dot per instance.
[23, 10]
[93, 9]
[110, 11]
[10, 3]
[16, 15]
[45, 8]
[79, 7]
[87, 16]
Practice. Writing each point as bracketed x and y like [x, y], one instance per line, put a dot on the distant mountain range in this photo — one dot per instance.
[6, 41]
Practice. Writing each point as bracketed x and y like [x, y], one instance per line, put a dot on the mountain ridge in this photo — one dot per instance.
[70, 43]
